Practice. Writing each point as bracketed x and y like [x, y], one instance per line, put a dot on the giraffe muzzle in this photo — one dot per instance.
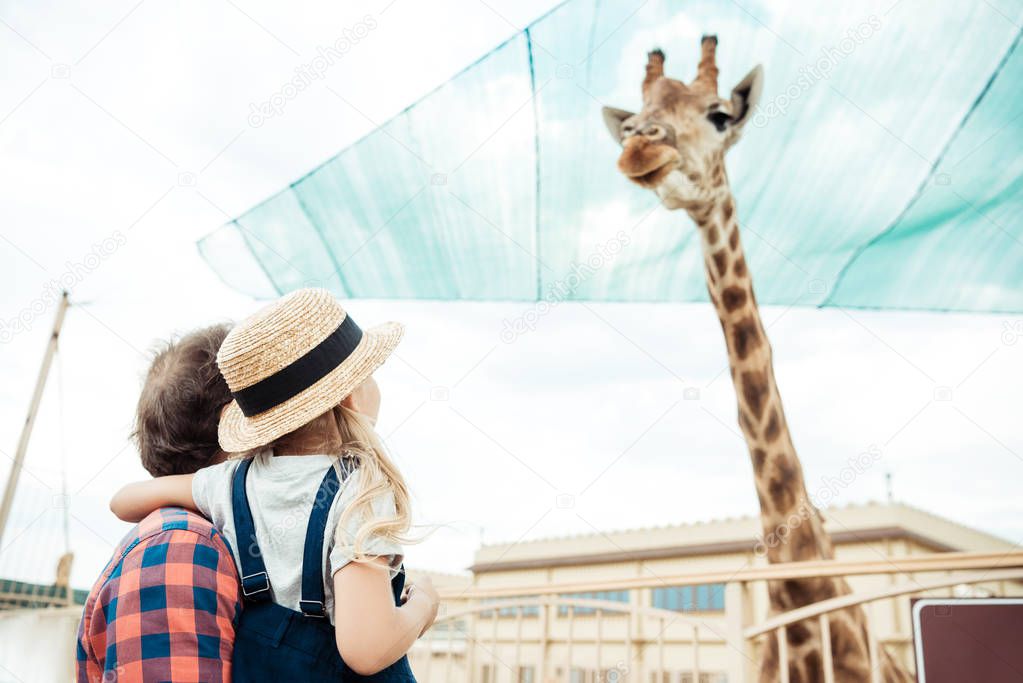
[647, 163]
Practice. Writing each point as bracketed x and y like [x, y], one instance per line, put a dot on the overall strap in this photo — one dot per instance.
[312, 602]
[255, 581]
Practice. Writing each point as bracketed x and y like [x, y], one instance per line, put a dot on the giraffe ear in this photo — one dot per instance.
[746, 96]
[613, 119]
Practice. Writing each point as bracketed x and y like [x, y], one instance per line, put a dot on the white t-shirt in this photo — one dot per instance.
[281, 491]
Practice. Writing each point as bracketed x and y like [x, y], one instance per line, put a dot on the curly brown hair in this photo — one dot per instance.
[179, 409]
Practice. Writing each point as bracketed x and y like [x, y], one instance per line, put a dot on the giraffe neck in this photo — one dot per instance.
[793, 529]
[778, 474]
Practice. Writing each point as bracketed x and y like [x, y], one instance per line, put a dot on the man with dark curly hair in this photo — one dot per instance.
[178, 411]
[166, 604]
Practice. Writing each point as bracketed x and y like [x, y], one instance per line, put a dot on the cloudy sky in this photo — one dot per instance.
[125, 137]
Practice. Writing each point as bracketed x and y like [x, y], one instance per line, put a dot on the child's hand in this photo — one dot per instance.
[135, 501]
[423, 590]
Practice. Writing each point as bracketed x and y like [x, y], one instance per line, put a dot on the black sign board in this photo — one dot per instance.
[970, 639]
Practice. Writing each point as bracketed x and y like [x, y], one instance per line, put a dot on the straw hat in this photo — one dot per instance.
[293, 361]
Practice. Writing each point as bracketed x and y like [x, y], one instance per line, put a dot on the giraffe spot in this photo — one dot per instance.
[754, 392]
[733, 239]
[728, 209]
[773, 428]
[780, 495]
[814, 665]
[739, 268]
[843, 643]
[781, 485]
[826, 589]
[803, 542]
[694, 177]
[849, 648]
[712, 235]
[733, 297]
[795, 673]
[779, 598]
[721, 261]
[759, 456]
[787, 467]
[746, 338]
[800, 592]
[797, 634]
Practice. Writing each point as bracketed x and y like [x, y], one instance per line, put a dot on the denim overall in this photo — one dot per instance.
[274, 643]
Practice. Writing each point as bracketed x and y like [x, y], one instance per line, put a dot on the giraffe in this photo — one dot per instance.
[676, 146]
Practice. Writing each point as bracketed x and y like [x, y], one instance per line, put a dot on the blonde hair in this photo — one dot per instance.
[378, 477]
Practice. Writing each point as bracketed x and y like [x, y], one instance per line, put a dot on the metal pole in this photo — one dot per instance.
[545, 625]
[33, 408]
[738, 611]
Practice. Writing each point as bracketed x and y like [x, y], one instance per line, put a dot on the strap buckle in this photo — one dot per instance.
[312, 608]
[261, 584]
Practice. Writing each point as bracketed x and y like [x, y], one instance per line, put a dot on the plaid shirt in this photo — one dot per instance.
[165, 607]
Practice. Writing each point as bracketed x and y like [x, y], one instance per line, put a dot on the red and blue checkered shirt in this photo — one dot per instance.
[165, 607]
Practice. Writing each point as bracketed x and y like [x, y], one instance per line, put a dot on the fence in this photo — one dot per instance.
[554, 635]
[499, 636]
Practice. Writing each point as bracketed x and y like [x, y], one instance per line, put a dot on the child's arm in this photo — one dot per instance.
[135, 501]
[372, 633]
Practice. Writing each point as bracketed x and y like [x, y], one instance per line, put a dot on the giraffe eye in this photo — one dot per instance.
[628, 129]
[720, 120]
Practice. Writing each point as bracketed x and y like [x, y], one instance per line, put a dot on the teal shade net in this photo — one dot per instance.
[882, 169]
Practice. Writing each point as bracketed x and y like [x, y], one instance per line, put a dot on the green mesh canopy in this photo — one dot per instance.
[882, 168]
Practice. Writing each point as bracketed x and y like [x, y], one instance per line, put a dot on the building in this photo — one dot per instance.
[631, 617]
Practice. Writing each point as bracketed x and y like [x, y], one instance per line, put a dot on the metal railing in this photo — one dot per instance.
[497, 636]
[820, 611]
[569, 634]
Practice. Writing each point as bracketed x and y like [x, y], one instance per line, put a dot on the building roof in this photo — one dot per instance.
[849, 524]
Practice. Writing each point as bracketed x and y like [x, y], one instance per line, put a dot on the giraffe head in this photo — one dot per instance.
[676, 144]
